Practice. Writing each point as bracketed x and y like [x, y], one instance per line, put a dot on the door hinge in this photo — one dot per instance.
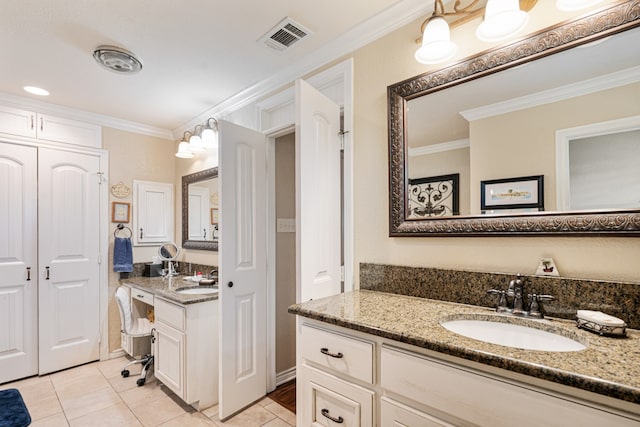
[342, 273]
[342, 133]
[100, 177]
[99, 258]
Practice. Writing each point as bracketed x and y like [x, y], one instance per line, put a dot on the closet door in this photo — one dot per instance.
[18, 268]
[69, 213]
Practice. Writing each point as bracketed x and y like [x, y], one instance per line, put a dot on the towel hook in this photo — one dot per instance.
[122, 227]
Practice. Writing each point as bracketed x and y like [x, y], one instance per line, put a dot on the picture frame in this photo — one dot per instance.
[214, 216]
[434, 196]
[522, 193]
[120, 211]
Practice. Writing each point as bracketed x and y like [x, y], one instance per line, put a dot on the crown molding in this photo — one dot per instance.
[20, 102]
[585, 87]
[394, 17]
[438, 148]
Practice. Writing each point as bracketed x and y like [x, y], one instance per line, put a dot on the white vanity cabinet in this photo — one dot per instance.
[14, 121]
[371, 380]
[334, 367]
[186, 350]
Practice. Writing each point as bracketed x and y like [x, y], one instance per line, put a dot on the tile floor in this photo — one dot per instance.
[96, 395]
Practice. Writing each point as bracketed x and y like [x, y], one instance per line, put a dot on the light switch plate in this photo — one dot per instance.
[286, 225]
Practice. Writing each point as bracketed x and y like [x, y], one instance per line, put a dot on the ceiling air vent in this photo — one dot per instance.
[285, 34]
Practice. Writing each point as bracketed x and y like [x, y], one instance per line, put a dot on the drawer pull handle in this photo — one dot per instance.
[328, 353]
[47, 272]
[325, 413]
[140, 296]
[28, 274]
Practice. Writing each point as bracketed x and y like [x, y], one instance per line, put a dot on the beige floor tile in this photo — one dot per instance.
[211, 411]
[38, 390]
[265, 401]
[282, 412]
[44, 408]
[278, 422]
[138, 395]
[160, 409]
[253, 416]
[117, 415]
[89, 402]
[57, 420]
[112, 366]
[25, 382]
[79, 381]
[195, 419]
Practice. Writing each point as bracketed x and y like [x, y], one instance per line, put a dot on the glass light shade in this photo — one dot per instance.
[502, 19]
[195, 144]
[209, 138]
[571, 5]
[183, 151]
[436, 42]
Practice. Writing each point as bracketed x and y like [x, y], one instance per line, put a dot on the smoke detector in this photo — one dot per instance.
[284, 34]
[117, 59]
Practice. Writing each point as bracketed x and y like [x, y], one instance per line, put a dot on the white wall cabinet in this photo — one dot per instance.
[414, 387]
[152, 213]
[186, 350]
[25, 123]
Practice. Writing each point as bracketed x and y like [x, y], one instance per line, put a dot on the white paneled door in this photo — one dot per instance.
[18, 262]
[68, 267]
[318, 190]
[243, 268]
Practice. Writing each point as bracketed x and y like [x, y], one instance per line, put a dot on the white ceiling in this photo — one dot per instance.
[195, 53]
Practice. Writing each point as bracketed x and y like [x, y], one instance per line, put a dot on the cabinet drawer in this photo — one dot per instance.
[170, 314]
[329, 401]
[337, 352]
[473, 396]
[397, 414]
[144, 296]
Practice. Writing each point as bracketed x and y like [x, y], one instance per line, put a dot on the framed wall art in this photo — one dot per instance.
[525, 192]
[120, 211]
[433, 196]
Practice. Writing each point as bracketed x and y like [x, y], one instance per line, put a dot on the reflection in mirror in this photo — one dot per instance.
[199, 210]
[505, 125]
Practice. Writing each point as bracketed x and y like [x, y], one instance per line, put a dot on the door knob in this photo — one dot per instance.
[230, 284]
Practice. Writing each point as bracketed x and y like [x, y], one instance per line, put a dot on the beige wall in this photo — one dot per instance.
[389, 60]
[132, 157]
[523, 143]
[285, 254]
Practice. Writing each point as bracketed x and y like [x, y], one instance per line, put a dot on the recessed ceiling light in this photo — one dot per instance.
[36, 90]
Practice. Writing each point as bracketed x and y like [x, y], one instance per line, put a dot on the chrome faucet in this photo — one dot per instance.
[518, 306]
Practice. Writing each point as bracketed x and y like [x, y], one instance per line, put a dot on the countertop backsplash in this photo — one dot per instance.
[183, 268]
[620, 299]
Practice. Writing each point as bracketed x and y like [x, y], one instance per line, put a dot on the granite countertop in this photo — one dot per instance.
[608, 366]
[166, 288]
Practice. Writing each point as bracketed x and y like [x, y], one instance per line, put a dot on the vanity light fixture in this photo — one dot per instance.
[209, 134]
[203, 138]
[195, 142]
[502, 19]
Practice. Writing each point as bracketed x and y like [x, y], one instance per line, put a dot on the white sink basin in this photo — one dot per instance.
[197, 291]
[512, 335]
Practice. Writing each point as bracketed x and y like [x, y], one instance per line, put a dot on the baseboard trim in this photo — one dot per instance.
[285, 376]
[117, 353]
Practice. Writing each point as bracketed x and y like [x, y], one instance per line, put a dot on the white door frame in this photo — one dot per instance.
[282, 122]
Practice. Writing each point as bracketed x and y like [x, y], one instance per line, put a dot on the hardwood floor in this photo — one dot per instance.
[285, 395]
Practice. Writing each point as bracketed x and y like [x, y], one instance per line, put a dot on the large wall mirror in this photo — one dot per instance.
[200, 210]
[541, 136]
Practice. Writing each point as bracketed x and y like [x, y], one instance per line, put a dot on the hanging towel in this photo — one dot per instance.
[122, 255]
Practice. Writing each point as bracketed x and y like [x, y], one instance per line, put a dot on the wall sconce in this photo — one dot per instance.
[202, 138]
[502, 19]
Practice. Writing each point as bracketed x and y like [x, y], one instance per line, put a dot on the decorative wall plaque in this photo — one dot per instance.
[120, 190]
